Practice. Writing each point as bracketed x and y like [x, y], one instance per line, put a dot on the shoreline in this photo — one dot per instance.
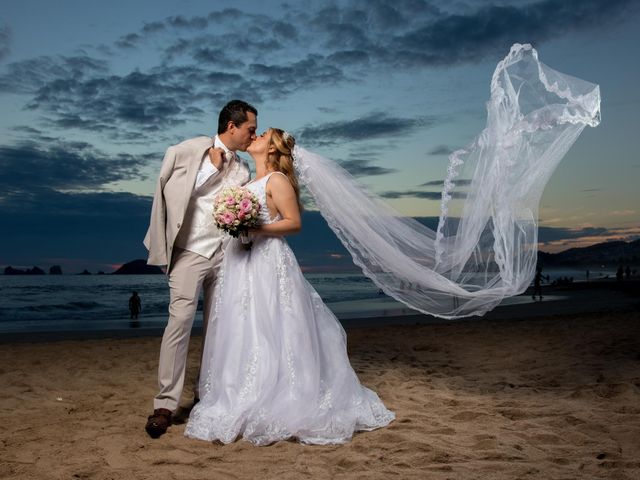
[579, 297]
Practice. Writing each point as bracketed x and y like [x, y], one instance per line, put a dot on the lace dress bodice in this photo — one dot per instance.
[259, 189]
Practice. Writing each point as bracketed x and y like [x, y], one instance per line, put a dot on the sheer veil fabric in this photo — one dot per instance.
[485, 245]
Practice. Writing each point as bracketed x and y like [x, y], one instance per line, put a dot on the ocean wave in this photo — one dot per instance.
[71, 306]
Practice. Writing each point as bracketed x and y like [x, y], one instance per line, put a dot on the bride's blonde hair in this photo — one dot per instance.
[282, 159]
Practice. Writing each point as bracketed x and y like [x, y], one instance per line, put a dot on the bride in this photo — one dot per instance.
[275, 362]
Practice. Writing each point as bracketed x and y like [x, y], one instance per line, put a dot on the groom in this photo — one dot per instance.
[183, 236]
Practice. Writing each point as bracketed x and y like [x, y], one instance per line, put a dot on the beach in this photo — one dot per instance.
[540, 392]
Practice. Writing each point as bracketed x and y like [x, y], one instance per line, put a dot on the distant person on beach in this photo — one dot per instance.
[183, 236]
[537, 283]
[587, 275]
[620, 274]
[135, 305]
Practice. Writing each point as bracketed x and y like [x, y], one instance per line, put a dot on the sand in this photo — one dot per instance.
[555, 397]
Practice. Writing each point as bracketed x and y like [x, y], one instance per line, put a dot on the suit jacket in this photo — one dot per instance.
[173, 190]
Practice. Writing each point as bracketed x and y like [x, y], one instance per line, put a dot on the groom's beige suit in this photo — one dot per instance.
[183, 236]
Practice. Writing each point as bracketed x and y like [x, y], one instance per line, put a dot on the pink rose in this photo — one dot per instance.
[245, 205]
[231, 201]
[241, 215]
[228, 218]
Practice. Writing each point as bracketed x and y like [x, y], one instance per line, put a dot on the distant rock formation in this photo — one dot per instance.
[85, 272]
[607, 253]
[55, 270]
[138, 267]
[29, 271]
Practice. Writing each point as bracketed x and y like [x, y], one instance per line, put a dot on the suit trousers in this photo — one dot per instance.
[189, 274]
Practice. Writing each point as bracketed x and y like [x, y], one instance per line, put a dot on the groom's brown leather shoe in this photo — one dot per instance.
[158, 423]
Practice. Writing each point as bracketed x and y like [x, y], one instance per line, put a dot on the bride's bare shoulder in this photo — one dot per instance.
[278, 181]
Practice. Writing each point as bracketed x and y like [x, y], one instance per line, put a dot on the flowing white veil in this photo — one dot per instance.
[485, 246]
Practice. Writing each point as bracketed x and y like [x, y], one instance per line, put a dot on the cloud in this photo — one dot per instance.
[40, 74]
[148, 101]
[193, 23]
[415, 33]
[419, 194]
[53, 203]
[83, 228]
[266, 34]
[374, 125]
[203, 60]
[78, 92]
[364, 168]
[429, 195]
[43, 201]
[215, 56]
[280, 80]
[439, 183]
[471, 36]
[376, 34]
[441, 150]
[30, 167]
[412, 193]
[128, 41]
[5, 36]
[623, 213]
[238, 50]
[178, 22]
[552, 234]
[28, 129]
[349, 57]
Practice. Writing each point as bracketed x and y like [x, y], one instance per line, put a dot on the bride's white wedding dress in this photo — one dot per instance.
[275, 362]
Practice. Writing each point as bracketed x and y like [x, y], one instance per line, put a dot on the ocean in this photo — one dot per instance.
[76, 303]
[40, 303]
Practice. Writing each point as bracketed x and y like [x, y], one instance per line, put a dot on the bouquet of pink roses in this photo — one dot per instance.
[235, 210]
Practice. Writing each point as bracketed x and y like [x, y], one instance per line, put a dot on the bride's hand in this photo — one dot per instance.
[216, 156]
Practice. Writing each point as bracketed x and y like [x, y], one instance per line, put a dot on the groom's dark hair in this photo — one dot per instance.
[235, 111]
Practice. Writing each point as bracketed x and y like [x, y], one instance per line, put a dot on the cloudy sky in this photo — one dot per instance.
[92, 93]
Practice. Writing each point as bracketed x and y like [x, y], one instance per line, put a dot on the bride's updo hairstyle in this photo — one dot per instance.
[282, 159]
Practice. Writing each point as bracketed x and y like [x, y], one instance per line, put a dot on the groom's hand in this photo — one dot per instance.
[216, 156]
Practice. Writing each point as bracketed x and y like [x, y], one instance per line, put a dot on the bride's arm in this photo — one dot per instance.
[286, 203]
